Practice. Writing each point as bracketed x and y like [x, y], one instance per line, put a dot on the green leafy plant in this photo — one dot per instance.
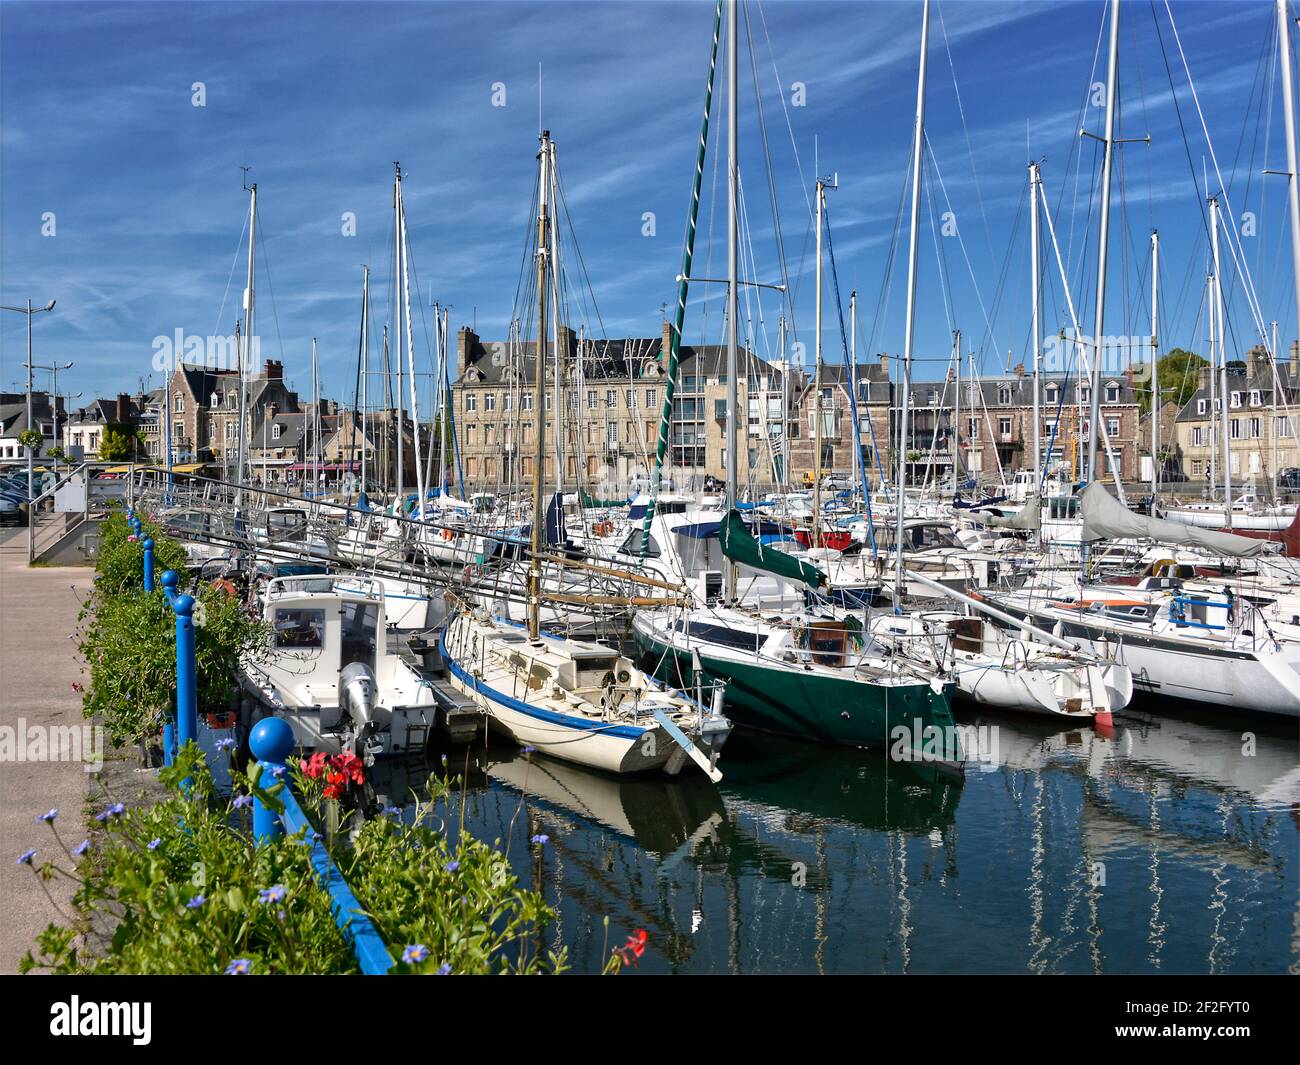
[128, 638]
[32, 440]
[181, 888]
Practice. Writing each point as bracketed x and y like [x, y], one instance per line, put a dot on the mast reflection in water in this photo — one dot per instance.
[1169, 845]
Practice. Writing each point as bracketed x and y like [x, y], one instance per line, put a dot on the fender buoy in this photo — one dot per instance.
[447, 534]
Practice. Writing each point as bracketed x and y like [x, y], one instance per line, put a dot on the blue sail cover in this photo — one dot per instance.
[556, 532]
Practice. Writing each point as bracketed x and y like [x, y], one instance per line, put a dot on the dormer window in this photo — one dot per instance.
[275, 431]
[1112, 392]
[1200, 406]
[1256, 398]
[216, 399]
[1004, 395]
[179, 405]
[1235, 401]
[1051, 394]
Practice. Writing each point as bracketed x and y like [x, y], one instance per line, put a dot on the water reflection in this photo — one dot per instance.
[1168, 845]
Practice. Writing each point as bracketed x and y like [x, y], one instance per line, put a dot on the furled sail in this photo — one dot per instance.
[1106, 518]
[739, 546]
[1027, 518]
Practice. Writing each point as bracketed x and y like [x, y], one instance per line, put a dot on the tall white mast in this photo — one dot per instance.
[1155, 363]
[816, 538]
[918, 143]
[859, 474]
[246, 355]
[733, 272]
[1035, 288]
[557, 390]
[399, 412]
[1099, 328]
[1223, 362]
[315, 422]
[365, 359]
[405, 253]
[1293, 170]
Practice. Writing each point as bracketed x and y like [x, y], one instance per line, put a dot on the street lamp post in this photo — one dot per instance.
[31, 456]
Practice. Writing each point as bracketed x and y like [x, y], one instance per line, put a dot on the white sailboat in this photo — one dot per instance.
[574, 700]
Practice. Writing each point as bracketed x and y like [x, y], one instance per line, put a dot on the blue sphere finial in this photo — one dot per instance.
[271, 740]
[183, 604]
[170, 579]
[148, 543]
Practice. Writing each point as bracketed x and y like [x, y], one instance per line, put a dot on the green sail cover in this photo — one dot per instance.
[739, 546]
[590, 502]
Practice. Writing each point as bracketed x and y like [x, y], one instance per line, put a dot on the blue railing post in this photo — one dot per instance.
[170, 580]
[271, 743]
[187, 708]
[148, 564]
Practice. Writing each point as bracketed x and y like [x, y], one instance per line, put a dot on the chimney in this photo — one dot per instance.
[274, 370]
[667, 343]
[467, 346]
[568, 343]
[123, 412]
[271, 409]
[1295, 357]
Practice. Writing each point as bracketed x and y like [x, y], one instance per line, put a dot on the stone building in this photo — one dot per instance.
[612, 402]
[1262, 436]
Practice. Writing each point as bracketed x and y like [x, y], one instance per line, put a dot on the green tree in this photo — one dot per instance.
[1180, 373]
[118, 443]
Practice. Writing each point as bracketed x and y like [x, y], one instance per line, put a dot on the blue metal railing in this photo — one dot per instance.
[271, 743]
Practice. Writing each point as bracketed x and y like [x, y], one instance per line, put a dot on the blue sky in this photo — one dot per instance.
[98, 127]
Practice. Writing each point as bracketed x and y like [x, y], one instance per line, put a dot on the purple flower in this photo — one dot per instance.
[49, 817]
[444, 969]
[392, 810]
[26, 857]
[82, 847]
[541, 838]
[239, 967]
[242, 800]
[452, 866]
[415, 954]
[225, 744]
[154, 844]
[196, 902]
[272, 894]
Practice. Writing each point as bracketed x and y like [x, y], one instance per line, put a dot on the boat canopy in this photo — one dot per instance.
[1106, 518]
[1029, 517]
[739, 546]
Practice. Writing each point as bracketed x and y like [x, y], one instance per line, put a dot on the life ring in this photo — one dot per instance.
[447, 534]
[603, 528]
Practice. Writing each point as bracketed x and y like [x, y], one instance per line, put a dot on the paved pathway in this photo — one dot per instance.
[38, 663]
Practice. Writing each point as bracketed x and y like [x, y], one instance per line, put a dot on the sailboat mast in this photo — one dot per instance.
[365, 358]
[315, 422]
[1293, 169]
[1108, 156]
[1155, 363]
[1223, 361]
[816, 539]
[557, 388]
[405, 253]
[399, 412]
[956, 414]
[918, 143]
[539, 396]
[246, 357]
[1035, 187]
[785, 411]
[733, 272]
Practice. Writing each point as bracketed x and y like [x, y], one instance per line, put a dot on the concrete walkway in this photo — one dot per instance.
[38, 664]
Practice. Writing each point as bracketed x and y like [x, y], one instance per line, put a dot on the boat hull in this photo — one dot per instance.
[807, 705]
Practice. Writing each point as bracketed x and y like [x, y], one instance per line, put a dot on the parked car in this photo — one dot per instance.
[11, 512]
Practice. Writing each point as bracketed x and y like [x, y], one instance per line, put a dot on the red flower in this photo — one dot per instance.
[314, 766]
[350, 766]
[336, 784]
[636, 942]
